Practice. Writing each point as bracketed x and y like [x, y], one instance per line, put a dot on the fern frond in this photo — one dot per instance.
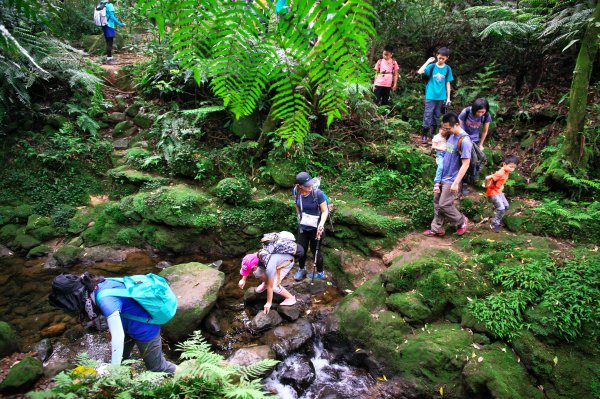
[258, 369]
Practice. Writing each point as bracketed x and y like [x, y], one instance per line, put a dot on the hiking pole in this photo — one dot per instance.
[315, 261]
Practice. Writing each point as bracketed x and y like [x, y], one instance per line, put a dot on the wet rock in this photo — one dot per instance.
[247, 356]
[299, 373]
[288, 338]
[51, 263]
[216, 323]
[264, 321]
[52, 369]
[121, 144]
[25, 242]
[394, 389]
[76, 241]
[217, 264]
[121, 128]
[75, 333]
[163, 265]
[196, 286]
[54, 330]
[132, 110]
[5, 252]
[8, 339]
[101, 254]
[67, 255]
[289, 313]
[121, 104]
[40, 250]
[22, 376]
[43, 349]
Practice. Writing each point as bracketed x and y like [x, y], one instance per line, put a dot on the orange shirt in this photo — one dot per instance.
[497, 182]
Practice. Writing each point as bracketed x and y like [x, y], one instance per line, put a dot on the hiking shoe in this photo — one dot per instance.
[463, 227]
[431, 233]
[111, 62]
[288, 302]
[495, 229]
[319, 275]
[260, 288]
[300, 274]
[423, 139]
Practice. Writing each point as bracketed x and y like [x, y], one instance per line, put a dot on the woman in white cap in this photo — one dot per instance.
[312, 210]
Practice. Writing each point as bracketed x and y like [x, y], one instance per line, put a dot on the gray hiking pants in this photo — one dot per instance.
[433, 110]
[151, 352]
[501, 205]
[444, 209]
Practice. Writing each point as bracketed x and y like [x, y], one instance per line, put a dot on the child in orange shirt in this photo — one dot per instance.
[495, 185]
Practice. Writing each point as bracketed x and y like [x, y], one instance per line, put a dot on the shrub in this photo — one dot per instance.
[234, 191]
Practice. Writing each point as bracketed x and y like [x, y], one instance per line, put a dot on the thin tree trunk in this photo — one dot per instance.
[573, 148]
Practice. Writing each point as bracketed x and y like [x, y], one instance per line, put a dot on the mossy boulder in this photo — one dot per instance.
[67, 255]
[196, 286]
[121, 128]
[402, 277]
[496, 372]
[40, 250]
[25, 242]
[283, 171]
[143, 121]
[124, 175]
[173, 239]
[409, 305]
[44, 233]
[8, 339]
[22, 212]
[234, 191]
[22, 376]
[84, 216]
[246, 127]
[369, 221]
[178, 206]
[133, 110]
[37, 221]
[130, 237]
[9, 232]
[103, 231]
[6, 214]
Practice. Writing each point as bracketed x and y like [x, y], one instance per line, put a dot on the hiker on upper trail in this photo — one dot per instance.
[437, 90]
[456, 163]
[386, 78]
[83, 294]
[271, 264]
[472, 118]
[108, 27]
[495, 185]
[312, 212]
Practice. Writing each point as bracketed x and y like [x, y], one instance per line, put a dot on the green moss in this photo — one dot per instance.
[174, 206]
[283, 171]
[246, 126]
[369, 221]
[44, 233]
[23, 211]
[124, 175]
[6, 214]
[37, 221]
[25, 242]
[575, 372]
[409, 305]
[9, 232]
[8, 339]
[170, 239]
[67, 255]
[143, 120]
[438, 288]
[103, 231]
[234, 191]
[22, 375]
[495, 372]
[40, 250]
[129, 236]
[83, 216]
[536, 356]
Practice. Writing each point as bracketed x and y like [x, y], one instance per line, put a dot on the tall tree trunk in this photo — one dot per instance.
[573, 148]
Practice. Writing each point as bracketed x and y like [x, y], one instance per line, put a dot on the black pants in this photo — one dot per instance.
[305, 239]
[109, 45]
[382, 95]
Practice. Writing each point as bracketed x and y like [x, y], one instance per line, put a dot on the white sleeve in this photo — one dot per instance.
[117, 341]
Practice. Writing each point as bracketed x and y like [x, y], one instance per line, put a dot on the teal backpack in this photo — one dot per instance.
[152, 292]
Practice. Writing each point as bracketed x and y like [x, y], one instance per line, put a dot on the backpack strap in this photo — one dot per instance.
[458, 145]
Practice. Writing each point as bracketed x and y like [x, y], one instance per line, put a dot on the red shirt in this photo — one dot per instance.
[497, 182]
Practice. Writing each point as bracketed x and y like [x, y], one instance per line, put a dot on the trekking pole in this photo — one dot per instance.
[315, 261]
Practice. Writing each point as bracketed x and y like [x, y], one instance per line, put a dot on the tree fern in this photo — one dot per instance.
[244, 60]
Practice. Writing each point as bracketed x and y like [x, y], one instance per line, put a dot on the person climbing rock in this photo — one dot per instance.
[270, 265]
[82, 294]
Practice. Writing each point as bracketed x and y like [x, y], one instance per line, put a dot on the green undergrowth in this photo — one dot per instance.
[449, 319]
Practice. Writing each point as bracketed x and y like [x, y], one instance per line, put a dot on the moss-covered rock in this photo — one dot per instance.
[409, 305]
[124, 174]
[44, 233]
[178, 240]
[84, 216]
[246, 127]
[130, 237]
[37, 221]
[22, 212]
[40, 250]
[6, 215]
[9, 232]
[496, 372]
[144, 121]
[369, 221]
[179, 206]
[234, 191]
[22, 376]
[8, 339]
[25, 242]
[196, 286]
[133, 110]
[67, 255]
[103, 231]
[121, 128]
[439, 288]
[283, 171]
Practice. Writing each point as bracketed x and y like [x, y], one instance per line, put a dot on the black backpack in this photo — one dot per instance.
[478, 159]
[68, 293]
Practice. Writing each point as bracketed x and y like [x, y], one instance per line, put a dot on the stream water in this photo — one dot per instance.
[24, 304]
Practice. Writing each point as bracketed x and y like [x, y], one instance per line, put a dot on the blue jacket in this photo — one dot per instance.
[111, 19]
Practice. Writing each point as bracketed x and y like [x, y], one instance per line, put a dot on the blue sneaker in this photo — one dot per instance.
[300, 274]
[318, 275]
